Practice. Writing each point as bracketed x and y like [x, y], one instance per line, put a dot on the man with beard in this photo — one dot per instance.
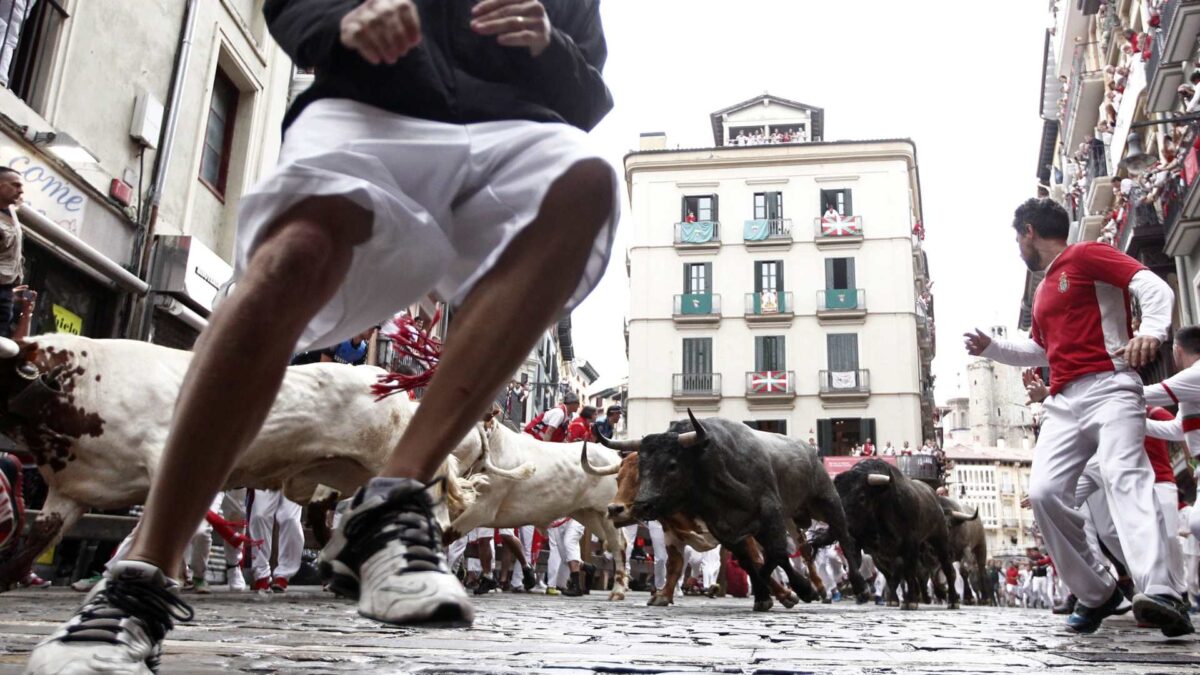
[1081, 329]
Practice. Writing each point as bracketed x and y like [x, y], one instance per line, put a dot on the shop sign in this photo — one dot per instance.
[66, 321]
[46, 190]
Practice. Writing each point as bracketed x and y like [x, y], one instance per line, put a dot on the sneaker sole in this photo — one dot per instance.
[444, 615]
[1152, 613]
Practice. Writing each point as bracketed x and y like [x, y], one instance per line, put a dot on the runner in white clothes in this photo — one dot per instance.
[1081, 329]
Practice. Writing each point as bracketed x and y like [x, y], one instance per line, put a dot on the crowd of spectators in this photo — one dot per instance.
[758, 137]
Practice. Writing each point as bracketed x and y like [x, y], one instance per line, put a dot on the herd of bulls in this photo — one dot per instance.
[721, 482]
[95, 413]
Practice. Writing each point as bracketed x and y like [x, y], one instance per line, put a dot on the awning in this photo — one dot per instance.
[94, 262]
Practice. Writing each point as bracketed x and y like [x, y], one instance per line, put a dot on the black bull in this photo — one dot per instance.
[899, 522]
[744, 483]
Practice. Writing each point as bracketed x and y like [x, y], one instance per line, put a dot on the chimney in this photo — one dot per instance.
[653, 140]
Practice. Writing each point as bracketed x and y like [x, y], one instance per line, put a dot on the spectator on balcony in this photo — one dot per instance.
[888, 450]
[906, 450]
[831, 213]
[691, 217]
[740, 139]
[868, 449]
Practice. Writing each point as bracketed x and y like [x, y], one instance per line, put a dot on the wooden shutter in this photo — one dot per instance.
[849, 206]
[850, 273]
[830, 284]
[779, 277]
[774, 205]
[824, 437]
[683, 209]
[759, 352]
[708, 278]
[715, 214]
[758, 274]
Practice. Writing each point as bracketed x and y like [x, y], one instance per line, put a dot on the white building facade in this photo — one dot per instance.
[780, 283]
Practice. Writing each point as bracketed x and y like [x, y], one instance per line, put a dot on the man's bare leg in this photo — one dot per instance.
[503, 317]
[239, 365]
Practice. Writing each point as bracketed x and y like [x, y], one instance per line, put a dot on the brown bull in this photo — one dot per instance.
[679, 530]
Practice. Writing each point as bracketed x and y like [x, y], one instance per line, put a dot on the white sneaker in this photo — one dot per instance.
[85, 585]
[387, 553]
[119, 628]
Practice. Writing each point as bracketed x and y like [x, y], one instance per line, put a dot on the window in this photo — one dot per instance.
[838, 199]
[768, 205]
[768, 276]
[770, 426]
[30, 33]
[218, 136]
[839, 273]
[702, 208]
[697, 356]
[769, 353]
[843, 352]
[697, 278]
[839, 436]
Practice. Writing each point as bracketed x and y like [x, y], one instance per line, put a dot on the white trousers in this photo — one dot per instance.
[630, 532]
[659, 543]
[233, 508]
[198, 549]
[271, 508]
[564, 549]
[708, 563]
[1090, 492]
[1104, 415]
[829, 568]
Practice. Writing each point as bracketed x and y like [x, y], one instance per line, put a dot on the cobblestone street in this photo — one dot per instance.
[307, 631]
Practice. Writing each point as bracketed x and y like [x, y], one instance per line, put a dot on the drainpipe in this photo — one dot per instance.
[1186, 295]
[162, 161]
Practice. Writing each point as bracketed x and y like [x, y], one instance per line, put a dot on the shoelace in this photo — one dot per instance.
[407, 517]
[102, 618]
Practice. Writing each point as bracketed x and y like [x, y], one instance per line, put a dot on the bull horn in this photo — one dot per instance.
[960, 515]
[631, 445]
[593, 471]
[878, 479]
[8, 348]
[697, 435]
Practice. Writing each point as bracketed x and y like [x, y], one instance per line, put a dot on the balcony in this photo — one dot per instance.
[770, 386]
[697, 308]
[841, 304]
[1181, 202]
[702, 235]
[843, 231]
[1099, 184]
[696, 388]
[1171, 48]
[849, 388]
[769, 307]
[767, 232]
[1085, 90]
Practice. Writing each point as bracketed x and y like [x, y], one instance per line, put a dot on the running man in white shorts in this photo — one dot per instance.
[1081, 329]
[440, 150]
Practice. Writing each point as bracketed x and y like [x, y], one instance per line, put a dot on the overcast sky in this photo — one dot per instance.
[963, 83]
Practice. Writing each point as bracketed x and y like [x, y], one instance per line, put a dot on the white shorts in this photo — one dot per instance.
[447, 198]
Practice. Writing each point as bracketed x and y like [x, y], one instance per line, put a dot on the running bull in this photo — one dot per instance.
[523, 480]
[741, 483]
[95, 414]
[900, 523]
[679, 530]
[968, 547]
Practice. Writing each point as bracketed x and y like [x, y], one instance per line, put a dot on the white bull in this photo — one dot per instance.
[97, 431]
[544, 482]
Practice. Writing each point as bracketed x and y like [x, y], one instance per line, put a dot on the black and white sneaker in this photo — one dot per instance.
[119, 628]
[387, 553]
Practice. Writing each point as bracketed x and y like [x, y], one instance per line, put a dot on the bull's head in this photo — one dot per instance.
[620, 510]
[666, 471]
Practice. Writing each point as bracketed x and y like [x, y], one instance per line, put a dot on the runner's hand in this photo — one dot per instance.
[1140, 351]
[382, 31]
[1034, 386]
[515, 23]
[976, 342]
